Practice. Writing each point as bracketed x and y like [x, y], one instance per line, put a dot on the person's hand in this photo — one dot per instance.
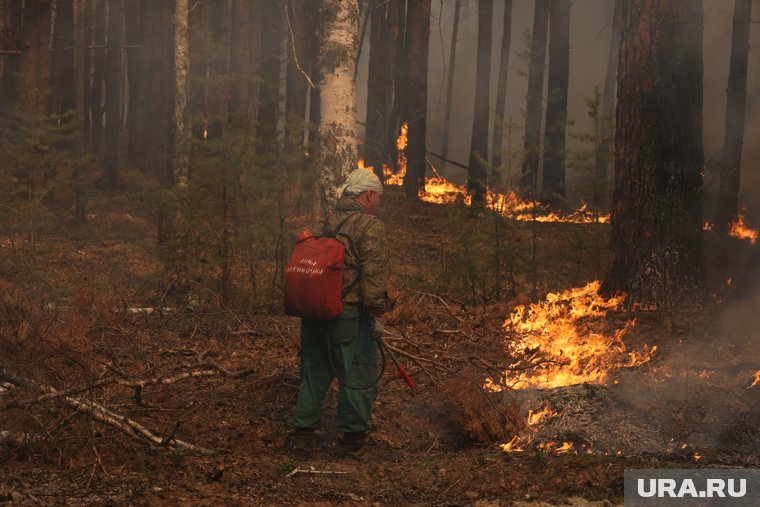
[377, 329]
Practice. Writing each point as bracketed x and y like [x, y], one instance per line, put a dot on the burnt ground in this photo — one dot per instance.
[65, 322]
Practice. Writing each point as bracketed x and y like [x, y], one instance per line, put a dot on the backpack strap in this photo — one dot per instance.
[331, 234]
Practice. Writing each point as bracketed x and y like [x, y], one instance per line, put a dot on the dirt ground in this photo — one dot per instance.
[67, 323]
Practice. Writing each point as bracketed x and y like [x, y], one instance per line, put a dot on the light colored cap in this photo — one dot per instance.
[360, 180]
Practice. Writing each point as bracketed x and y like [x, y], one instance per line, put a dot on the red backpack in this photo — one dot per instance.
[314, 277]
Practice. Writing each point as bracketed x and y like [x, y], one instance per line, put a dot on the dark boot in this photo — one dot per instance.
[354, 445]
[303, 442]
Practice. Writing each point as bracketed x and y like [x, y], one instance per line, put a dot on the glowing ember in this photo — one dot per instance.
[697, 456]
[742, 230]
[565, 448]
[707, 227]
[514, 445]
[535, 418]
[561, 341]
[757, 380]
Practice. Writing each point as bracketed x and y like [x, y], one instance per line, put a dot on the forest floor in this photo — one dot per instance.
[65, 321]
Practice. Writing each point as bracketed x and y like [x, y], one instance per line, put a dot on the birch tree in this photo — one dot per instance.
[181, 123]
[336, 149]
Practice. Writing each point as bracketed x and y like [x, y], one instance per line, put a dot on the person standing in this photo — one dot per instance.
[345, 348]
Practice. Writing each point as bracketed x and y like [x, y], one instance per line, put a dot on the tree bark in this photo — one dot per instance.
[379, 85]
[35, 58]
[87, 74]
[133, 37]
[553, 180]
[9, 97]
[656, 219]
[113, 91]
[296, 87]
[400, 109]
[98, 76]
[478, 165]
[244, 63]
[64, 91]
[336, 155]
[181, 130]
[501, 87]
[419, 35]
[730, 173]
[603, 155]
[269, 93]
[532, 148]
[450, 80]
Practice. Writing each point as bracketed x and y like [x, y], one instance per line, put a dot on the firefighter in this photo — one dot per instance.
[345, 348]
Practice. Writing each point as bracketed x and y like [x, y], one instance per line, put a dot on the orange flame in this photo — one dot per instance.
[757, 380]
[742, 230]
[438, 190]
[561, 341]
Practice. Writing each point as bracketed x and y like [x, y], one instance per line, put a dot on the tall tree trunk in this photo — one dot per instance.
[181, 124]
[87, 73]
[478, 165]
[9, 95]
[532, 148]
[450, 80]
[501, 87]
[419, 35]
[35, 57]
[156, 84]
[98, 76]
[244, 63]
[553, 180]
[296, 87]
[113, 91]
[271, 38]
[133, 37]
[379, 85]
[336, 155]
[603, 156]
[400, 109]
[656, 219]
[64, 96]
[730, 173]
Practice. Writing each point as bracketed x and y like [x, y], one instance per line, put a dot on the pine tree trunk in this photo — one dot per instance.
[64, 96]
[450, 80]
[336, 155]
[400, 109]
[603, 155]
[113, 91]
[532, 148]
[181, 130]
[501, 87]
[244, 63]
[657, 220]
[35, 57]
[87, 74]
[730, 173]
[269, 93]
[132, 37]
[379, 84]
[296, 87]
[419, 35]
[478, 164]
[9, 96]
[553, 180]
[98, 77]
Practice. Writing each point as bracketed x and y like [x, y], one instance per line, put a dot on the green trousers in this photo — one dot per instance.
[342, 348]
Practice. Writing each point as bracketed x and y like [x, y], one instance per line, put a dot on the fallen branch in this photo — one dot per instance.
[105, 416]
[311, 470]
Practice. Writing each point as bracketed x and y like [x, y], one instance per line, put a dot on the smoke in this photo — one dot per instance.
[589, 39]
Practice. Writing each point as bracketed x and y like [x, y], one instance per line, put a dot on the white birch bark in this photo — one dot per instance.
[336, 151]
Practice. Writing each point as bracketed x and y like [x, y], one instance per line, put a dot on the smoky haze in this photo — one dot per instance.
[590, 25]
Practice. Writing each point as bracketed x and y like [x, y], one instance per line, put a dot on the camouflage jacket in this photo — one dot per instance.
[365, 275]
